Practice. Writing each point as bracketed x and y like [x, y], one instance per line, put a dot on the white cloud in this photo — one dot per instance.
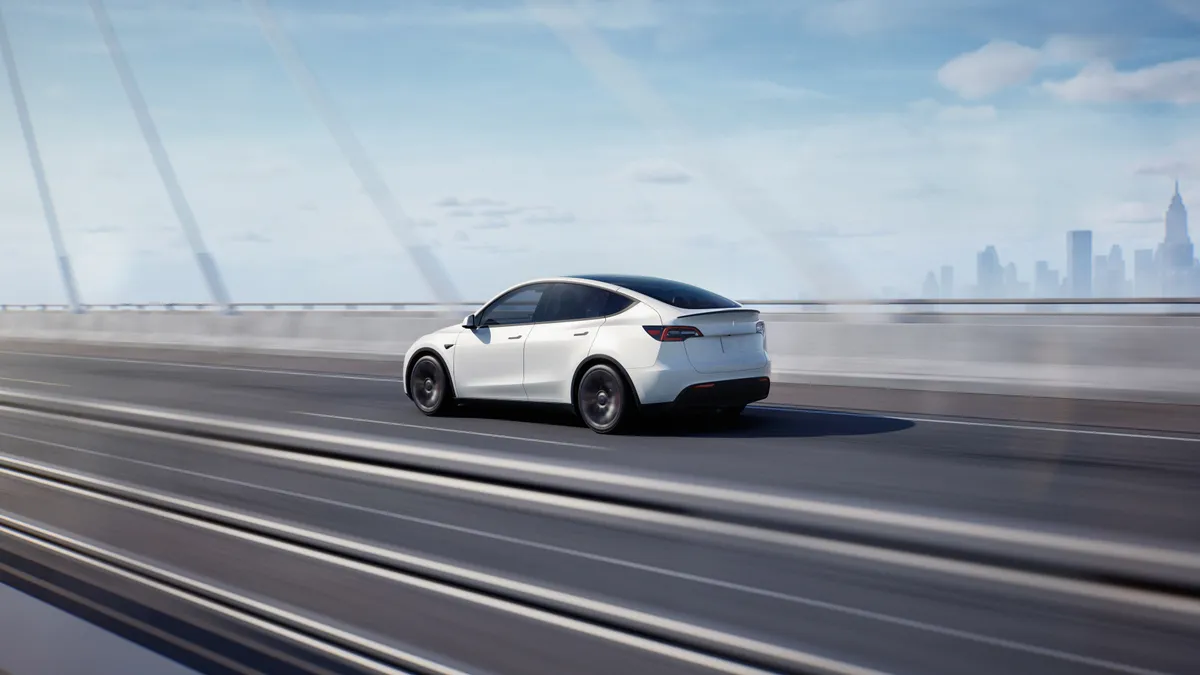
[1001, 64]
[1172, 82]
[658, 171]
[1063, 49]
[997, 65]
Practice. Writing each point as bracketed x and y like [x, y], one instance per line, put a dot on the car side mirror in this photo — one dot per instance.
[469, 322]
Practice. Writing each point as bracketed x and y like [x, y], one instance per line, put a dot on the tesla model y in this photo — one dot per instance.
[610, 347]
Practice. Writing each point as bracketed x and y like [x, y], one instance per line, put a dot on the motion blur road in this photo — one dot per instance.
[824, 609]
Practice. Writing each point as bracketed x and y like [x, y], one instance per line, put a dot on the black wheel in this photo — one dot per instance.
[605, 402]
[429, 386]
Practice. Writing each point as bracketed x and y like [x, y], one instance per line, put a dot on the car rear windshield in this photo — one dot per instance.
[674, 293]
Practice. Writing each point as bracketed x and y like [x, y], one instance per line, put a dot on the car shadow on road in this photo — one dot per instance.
[754, 422]
[776, 423]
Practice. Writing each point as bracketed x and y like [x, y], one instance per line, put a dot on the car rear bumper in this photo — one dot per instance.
[724, 393]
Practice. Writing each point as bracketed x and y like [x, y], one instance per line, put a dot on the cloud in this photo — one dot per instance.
[1001, 64]
[493, 224]
[1175, 82]
[550, 218]
[993, 67]
[252, 238]
[658, 172]
[1062, 49]
[502, 212]
[461, 213]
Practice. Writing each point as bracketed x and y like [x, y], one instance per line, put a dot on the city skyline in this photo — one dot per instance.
[1171, 269]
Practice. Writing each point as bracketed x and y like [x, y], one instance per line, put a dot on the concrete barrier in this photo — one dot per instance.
[1118, 357]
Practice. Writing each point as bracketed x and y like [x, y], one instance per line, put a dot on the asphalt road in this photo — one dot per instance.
[1105, 482]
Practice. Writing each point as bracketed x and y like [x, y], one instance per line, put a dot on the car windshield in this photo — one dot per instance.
[674, 293]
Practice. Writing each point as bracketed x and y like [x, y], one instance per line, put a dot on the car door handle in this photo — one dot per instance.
[584, 332]
[514, 337]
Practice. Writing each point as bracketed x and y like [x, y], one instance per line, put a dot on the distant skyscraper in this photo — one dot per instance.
[1045, 281]
[1079, 263]
[1114, 274]
[989, 274]
[1145, 274]
[930, 288]
[1176, 255]
[947, 285]
[1099, 276]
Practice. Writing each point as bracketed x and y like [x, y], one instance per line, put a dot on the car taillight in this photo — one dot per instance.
[760, 328]
[672, 333]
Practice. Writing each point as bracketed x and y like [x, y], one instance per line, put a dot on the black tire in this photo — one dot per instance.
[604, 400]
[429, 386]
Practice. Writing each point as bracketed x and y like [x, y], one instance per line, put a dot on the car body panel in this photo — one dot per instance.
[489, 363]
[553, 353]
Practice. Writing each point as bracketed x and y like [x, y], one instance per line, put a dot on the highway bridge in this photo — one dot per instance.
[244, 509]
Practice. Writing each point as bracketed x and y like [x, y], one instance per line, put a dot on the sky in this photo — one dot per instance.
[762, 148]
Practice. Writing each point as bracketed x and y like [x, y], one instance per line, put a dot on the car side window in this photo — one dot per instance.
[575, 302]
[516, 307]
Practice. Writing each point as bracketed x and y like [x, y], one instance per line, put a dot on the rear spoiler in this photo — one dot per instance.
[714, 312]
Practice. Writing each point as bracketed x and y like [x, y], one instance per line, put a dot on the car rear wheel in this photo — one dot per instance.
[429, 386]
[605, 402]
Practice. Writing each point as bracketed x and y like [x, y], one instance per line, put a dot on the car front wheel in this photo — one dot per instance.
[429, 386]
[605, 401]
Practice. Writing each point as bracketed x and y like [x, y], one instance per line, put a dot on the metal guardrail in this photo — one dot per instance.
[923, 304]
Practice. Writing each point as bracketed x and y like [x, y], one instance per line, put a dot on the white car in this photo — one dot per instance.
[610, 347]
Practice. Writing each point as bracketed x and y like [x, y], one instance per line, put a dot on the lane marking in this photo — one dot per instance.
[968, 423]
[17, 528]
[1047, 541]
[1153, 600]
[46, 384]
[450, 431]
[676, 627]
[651, 569]
[205, 366]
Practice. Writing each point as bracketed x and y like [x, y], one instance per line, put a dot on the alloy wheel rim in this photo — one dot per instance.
[427, 384]
[600, 398]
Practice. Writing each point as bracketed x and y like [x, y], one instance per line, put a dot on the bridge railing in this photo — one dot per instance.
[1187, 305]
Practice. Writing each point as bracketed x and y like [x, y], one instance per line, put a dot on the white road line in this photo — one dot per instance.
[450, 431]
[742, 497]
[1153, 600]
[971, 423]
[17, 528]
[204, 366]
[641, 567]
[45, 384]
[727, 640]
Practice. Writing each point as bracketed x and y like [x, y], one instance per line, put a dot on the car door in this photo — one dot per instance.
[562, 337]
[489, 361]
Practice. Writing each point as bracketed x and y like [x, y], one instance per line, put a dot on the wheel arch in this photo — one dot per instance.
[593, 360]
[412, 361]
